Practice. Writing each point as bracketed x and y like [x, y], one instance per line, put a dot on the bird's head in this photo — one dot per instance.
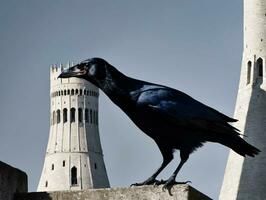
[93, 70]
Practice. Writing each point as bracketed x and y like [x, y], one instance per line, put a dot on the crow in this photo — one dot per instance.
[173, 119]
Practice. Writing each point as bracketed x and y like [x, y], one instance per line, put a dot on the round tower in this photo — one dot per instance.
[246, 178]
[74, 158]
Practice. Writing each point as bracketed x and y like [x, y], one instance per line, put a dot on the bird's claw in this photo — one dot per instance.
[150, 181]
[171, 182]
[156, 183]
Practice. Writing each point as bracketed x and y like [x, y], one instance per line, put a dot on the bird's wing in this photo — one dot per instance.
[182, 109]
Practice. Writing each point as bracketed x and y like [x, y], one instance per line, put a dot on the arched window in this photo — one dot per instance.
[58, 116]
[54, 117]
[249, 72]
[80, 92]
[72, 92]
[64, 163]
[91, 116]
[65, 92]
[77, 91]
[94, 117]
[52, 166]
[74, 180]
[84, 92]
[64, 115]
[80, 114]
[86, 115]
[58, 93]
[46, 183]
[97, 119]
[260, 66]
[62, 92]
[72, 114]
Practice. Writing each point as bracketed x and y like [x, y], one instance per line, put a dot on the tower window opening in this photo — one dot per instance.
[58, 116]
[84, 92]
[65, 92]
[97, 119]
[91, 116]
[54, 117]
[249, 72]
[80, 92]
[74, 180]
[64, 163]
[52, 166]
[46, 183]
[61, 92]
[58, 93]
[94, 117]
[95, 166]
[64, 115]
[80, 113]
[72, 92]
[260, 66]
[68, 92]
[86, 115]
[72, 114]
[77, 91]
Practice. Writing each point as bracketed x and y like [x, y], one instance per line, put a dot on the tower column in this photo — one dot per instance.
[74, 158]
[245, 179]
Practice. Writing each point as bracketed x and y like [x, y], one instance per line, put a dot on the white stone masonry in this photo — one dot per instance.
[74, 157]
[245, 179]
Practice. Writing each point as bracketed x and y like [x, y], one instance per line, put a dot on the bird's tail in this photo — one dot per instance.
[230, 137]
[243, 148]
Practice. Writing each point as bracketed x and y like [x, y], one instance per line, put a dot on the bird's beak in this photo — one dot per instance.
[75, 71]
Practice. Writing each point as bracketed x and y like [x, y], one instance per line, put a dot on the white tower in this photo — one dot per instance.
[246, 178]
[74, 159]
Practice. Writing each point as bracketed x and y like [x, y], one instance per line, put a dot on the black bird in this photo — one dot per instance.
[173, 119]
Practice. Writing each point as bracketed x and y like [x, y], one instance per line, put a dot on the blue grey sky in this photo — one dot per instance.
[193, 46]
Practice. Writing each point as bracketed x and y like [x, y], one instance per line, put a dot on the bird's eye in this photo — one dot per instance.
[98, 72]
[92, 70]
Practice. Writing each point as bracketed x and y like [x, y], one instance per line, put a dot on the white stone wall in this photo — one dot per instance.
[246, 178]
[73, 143]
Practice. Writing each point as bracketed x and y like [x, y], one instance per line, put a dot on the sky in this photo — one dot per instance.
[193, 46]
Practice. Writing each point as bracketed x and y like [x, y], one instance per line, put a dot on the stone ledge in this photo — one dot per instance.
[178, 192]
[12, 180]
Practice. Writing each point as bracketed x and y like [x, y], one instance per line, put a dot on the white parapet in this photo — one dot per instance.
[74, 158]
[245, 179]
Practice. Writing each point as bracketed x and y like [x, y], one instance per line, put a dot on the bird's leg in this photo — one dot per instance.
[167, 157]
[171, 181]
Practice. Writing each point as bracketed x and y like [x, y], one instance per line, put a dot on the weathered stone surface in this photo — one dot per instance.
[12, 180]
[179, 192]
[74, 156]
[245, 179]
